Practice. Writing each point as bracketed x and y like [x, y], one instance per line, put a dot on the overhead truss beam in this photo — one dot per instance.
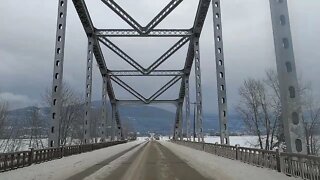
[135, 64]
[129, 102]
[100, 35]
[141, 97]
[202, 11]
[123, 14]
[152, 73]
[152, 33]
[163, 13]
[134, 24]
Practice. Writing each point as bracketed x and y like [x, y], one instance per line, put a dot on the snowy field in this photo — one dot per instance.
[24, 144]
[243, 141]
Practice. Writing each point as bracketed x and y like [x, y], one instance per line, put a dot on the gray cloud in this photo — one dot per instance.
[27, 37]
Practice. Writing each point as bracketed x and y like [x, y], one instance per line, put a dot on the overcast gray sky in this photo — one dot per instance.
[27, 39]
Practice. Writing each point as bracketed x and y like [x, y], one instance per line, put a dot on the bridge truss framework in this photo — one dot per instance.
[291, 110]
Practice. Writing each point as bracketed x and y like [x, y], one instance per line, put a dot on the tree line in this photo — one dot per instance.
[32, 130]
[260, 110]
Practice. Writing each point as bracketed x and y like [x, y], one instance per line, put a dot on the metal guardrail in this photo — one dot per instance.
[297, 165]
[10, 161]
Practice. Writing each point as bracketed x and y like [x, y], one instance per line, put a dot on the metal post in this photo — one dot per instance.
[56, 104]
[194, 121]
[180, 116]
[187, 99]
[220, 71]
[87, 118]
[199, 127]
[278, 159]
[287, 75]
[113, 121]
[103, 110]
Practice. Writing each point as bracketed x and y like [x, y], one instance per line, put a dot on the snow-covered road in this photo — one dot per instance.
[66, 167]
[219, 168]
[108, 162]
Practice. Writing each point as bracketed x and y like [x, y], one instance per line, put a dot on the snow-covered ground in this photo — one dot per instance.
[243, 141]
[24, 144]
[106, 170]
[220, 168]
[66, 166]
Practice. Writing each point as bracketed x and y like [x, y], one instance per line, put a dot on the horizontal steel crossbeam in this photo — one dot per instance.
[153, 73]
[128, 102]
[135, 33]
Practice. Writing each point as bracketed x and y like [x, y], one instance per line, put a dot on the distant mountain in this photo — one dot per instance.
[141, 118]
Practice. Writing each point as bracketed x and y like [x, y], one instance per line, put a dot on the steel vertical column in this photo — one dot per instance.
[176, 126]
[198, 89]
[87, 118]
[220, 72]
[113, 121]
[103, 110]
[287, 75]
[56, 104]
[187, 104]
[180, 116]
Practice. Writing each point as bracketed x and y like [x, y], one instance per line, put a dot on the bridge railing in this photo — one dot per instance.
[10, 161]
[298, 165]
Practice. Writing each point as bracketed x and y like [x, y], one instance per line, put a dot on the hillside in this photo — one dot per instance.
[142, 119]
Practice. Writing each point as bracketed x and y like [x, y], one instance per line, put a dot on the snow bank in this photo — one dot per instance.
[67, 166]
[220, 168]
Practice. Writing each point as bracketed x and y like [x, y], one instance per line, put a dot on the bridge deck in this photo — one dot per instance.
[142, 160]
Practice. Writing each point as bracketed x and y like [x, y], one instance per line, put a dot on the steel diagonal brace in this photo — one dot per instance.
[136, 65]
[121, 54]
[163, 13]
[164, 88]
[167, 54]
[141, 97]
[123, 15]
[202, 11]
[129, 89]
[87, 24]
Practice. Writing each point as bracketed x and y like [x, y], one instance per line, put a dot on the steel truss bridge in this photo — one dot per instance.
[291, 111]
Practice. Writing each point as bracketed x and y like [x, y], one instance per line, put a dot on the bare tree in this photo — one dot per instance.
[36, 129]
[311, 118]
[3, 117]
[260, 109]
[272, 84]
[71, 125]
[257, 112]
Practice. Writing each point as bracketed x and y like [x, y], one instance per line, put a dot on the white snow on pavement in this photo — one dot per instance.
[106, 170]
[66, 166]
[220, 168]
